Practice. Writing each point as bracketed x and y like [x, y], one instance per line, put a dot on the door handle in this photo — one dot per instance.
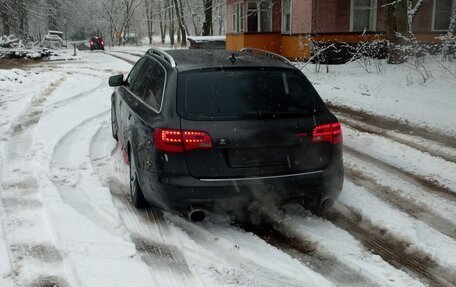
[129, 116]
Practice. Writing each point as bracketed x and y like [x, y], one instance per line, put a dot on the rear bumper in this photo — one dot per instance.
[97, 47]
[177, 191]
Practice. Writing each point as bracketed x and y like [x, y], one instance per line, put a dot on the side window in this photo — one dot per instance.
[155, 84]
[131, 79]
[142, 78]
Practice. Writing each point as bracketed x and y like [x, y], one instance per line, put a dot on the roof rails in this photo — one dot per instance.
[164, 55]
[267, 53]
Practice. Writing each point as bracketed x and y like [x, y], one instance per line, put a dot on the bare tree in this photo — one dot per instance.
[412, 10]
[180, 19]
[207, 24]
[121, 23]
[396, 26]
[150, 19]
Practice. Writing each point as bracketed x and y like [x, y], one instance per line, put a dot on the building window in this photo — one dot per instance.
[238, 19]
[363, 15]
[286, 16]
[443, 10]
[259, 16]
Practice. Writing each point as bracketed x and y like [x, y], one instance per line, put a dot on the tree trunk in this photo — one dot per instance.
[180, 19]
[396, 26]
[171, 23]
[149, 20]
[193, 16]
[6, 21]
[207, 24]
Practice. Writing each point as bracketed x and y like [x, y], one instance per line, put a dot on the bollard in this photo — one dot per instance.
[74, 45]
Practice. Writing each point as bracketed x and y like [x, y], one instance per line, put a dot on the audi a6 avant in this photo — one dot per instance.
[207, 126]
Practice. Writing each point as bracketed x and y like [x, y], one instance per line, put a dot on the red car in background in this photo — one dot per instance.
[97, 43]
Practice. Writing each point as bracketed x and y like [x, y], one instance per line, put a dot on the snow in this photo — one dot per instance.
[398, 91]
[66, 216]
[200, 39]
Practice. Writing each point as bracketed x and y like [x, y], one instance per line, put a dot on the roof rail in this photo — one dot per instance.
[164, 55]
[269, 54]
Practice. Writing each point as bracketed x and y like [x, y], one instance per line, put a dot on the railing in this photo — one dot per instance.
[164, 55]
[267, 53]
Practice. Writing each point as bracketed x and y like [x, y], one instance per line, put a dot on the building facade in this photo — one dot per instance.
[287, 26]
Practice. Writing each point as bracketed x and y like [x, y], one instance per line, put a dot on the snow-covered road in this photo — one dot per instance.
[67, 220]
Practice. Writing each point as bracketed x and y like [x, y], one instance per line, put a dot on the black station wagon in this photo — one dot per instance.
[202, 127]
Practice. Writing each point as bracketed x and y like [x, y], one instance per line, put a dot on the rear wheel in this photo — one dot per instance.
[137, 196]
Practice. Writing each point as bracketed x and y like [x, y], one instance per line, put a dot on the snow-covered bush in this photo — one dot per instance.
[10, 41]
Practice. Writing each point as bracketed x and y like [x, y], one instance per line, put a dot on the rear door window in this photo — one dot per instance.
[150, 82]
[155, 83]
[132, 77]
[246, 94]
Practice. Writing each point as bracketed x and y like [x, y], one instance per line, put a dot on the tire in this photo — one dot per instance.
[137, 196]
[114, 127]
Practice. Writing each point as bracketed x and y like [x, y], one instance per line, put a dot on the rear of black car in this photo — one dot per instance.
[97, 43]
[247, 132]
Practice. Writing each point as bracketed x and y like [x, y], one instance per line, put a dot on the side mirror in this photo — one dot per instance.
[116, 81]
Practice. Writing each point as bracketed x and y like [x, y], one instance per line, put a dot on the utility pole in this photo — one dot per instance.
[66, 35]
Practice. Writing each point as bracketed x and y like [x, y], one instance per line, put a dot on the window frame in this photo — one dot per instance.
[259, 17]
[372, 16]
[164, 85]
[434, 10]
[283, 18]
[238, 17]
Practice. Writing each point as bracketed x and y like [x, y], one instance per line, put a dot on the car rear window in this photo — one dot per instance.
[225, 94]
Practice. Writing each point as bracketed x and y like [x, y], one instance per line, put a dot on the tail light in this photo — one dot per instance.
[327, 133]
[91, 42]
[169, 140]
[102, 43]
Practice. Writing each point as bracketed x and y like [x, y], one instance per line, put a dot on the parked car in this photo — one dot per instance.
[204, 126]
[97, 43]
[53, 40]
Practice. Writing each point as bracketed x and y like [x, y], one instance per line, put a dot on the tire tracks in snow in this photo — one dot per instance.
[386, 123]
[67, 178]
[307, 253]
[252, 272]
[393, 197]
[434, 149]
[393, 250]
[32, 114]
[146, 228]
[148, 232]
[25, 211]
[427, 184]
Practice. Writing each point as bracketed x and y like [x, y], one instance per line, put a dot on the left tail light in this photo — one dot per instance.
[102, 43]
[91, 42]
[171, 140]
[331, 133]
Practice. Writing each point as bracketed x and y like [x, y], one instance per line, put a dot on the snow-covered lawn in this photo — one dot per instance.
[398, 91]
[67, 220]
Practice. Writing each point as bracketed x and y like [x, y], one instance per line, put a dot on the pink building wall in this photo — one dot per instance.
[276, 16]
[423, 19]
[229, 16]
[329, 16]
[301, 16]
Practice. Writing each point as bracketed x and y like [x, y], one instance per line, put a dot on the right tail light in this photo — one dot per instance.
[331, 133]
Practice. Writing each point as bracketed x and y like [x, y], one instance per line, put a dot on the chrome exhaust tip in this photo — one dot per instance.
[326, 203]
[196, 215]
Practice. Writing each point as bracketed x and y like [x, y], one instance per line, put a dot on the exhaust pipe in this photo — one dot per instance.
[326, 203]
[196, 214]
